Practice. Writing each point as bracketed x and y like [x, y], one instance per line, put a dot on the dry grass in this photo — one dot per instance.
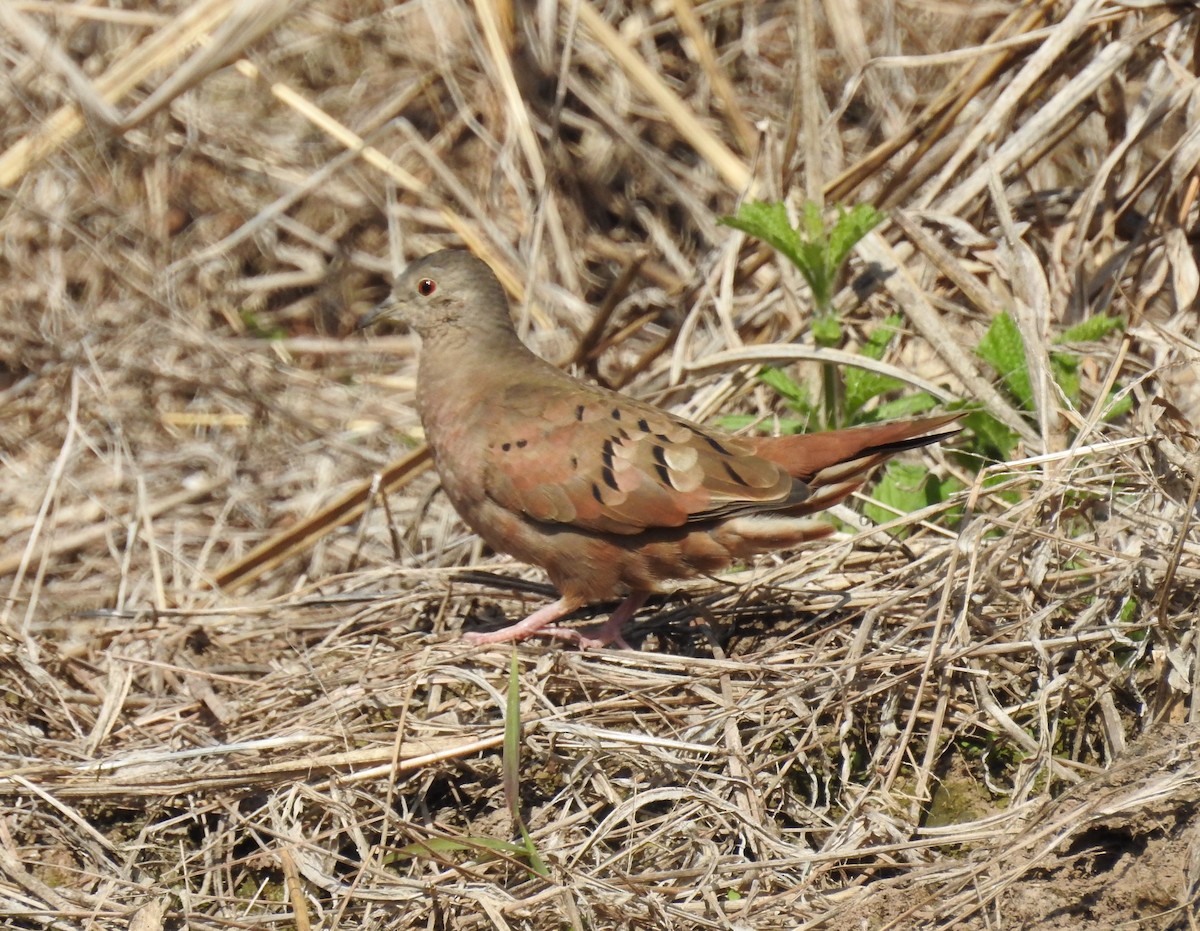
[992, 727]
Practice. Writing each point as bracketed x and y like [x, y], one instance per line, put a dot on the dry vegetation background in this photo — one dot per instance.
[994, 728]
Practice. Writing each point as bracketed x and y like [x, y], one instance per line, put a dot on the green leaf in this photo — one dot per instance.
[732, 423]
[851, 226]
[1065, 368]
[472, 844]
[781, 383]
[860, 386]
[818, 254]
[814, 223]
[256, 328]
[826, 330]
[1118, 405]
[1003, 349]
[881, 337]
[536, 863]
[863, 386]
[768, 222]
[511, 769]
[1092, 329]
[906, 406]
[439, 848]
[993, 439]
[904, 487]
[1010, 495]
[789, 425]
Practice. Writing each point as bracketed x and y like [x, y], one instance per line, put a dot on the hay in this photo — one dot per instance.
[986, 727]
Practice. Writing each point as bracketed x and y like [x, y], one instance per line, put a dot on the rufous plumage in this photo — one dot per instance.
[609, 495]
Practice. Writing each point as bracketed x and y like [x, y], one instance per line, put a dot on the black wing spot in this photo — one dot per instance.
[729, 470]
[717, 446]
[660, 455]
[596, 493]
[610, 480]
[506, 446]
[643, 425]
[616, 413]
[574, 462]
[606, 454]
[662, 438]
[579, 412]
[521, 444]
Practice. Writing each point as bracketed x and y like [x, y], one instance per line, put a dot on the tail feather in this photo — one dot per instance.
[840, 456]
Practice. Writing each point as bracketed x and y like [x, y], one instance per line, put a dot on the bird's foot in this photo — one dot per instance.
[606, 634]
[588, 638]
[531, 625]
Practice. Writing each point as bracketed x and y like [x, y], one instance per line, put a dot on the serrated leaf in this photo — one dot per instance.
[881, 337]
[1003, 349]
[904, 487]
[826, 330]
[818, 253]
[995, 440]
[768, 222]
[862, 385]
[813, 223]
[1065, 369]
[779, 381]
[907, 406]
[1092, 329]
[850, 226]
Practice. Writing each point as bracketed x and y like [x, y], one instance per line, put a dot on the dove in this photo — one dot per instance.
[609, 495]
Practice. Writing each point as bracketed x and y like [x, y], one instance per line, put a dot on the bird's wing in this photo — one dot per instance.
[603, 462]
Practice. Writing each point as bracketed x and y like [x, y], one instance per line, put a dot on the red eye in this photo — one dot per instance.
[426, 286]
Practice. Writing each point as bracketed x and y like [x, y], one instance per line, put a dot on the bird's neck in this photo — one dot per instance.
[459, 370]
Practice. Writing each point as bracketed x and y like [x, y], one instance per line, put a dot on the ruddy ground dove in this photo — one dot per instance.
[609, 495]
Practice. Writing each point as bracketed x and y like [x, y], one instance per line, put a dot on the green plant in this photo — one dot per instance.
[511, 779]
[902, 487]
[512, 768]
[819, 252]
[260, 330]
[1004, 350]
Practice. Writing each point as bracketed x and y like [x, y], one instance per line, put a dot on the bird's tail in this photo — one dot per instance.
[835, 463]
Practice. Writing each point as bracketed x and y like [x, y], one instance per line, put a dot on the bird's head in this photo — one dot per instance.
[445, 291]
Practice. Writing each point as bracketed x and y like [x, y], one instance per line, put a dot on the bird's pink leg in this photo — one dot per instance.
[606, 633]
[609, 631]
[529, 626]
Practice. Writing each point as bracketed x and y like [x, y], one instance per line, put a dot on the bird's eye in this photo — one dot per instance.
[426, 286]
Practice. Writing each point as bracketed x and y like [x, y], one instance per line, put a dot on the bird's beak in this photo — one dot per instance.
[374, 315]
